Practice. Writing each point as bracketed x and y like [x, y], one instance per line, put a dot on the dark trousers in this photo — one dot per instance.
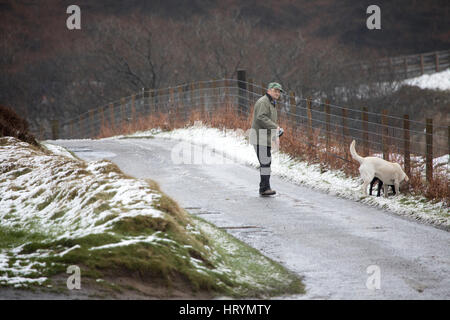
[265, 159]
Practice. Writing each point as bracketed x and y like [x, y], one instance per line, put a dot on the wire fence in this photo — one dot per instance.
[408, 66]
[374, 132]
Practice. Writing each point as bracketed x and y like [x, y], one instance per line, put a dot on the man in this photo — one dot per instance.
[264, 132]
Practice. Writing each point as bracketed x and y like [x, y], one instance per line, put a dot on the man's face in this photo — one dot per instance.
[274, 93]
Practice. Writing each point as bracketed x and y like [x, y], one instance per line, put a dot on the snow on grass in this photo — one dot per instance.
[154, 238]
[58, 150]
[42, 188]
[48, 198]
[57, 210]
[435, 81]
[233, 144]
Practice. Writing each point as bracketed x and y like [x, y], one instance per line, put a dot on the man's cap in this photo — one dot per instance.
[275, 85]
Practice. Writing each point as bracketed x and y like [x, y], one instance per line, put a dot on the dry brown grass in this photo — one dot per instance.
[298, 141]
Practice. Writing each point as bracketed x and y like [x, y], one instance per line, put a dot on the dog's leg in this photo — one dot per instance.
[367, 177]
[364, 187]
[371, 185]
[380, 185]
[385, 190]
[396, 188]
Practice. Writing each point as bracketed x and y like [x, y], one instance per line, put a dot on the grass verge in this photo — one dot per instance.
[123, 233]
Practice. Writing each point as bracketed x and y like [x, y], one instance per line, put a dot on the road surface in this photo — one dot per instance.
[343, 249]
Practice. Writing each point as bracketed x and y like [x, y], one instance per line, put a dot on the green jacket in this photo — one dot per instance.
[265, 116]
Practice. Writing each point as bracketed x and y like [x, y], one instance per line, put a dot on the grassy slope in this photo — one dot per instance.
[58, 211]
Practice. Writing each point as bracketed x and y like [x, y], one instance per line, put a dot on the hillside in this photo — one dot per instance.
[55, 73]
[407, 26]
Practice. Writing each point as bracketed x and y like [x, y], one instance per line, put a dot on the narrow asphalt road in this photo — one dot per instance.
[335, 244]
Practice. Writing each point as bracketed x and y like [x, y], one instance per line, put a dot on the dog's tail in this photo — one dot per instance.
[355, 156]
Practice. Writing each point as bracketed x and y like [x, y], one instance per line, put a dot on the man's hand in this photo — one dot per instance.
[276, 141]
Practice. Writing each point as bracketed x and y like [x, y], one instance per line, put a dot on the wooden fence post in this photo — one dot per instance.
[448, 140]
[384, 134]
[71, 129]
[421, 63]
[192, 94]
[293, 109]
[200, 87]
[345, 131]
[102, 119]
[365, 129]
[151, 102]
[309, 114]
[170, 104]
[242, 91]
[429, 154]
[122, 112]
[250, 92]
[42, 134]
[112, 115]
[158, 100]
[145, 97]
[55, 129]
[133, 111]
[327, 127]
[437, 61]
[406, 67]
[180, 103]
[82, 132]
[92, 122]
[171, 95]
[406, 138]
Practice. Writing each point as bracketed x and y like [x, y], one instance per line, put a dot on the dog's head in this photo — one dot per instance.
[401, 174]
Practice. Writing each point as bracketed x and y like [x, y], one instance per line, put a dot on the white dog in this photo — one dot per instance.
[388, 172]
